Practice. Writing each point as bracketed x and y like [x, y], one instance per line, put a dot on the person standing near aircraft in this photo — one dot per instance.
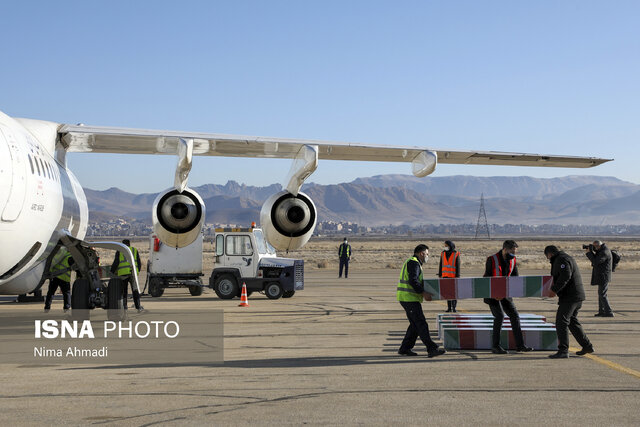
[122, 268]
[601, 260]
[567, 285]
[410, 294]
[60, 276]
[449, 268]
[344, 252]
[503, 263]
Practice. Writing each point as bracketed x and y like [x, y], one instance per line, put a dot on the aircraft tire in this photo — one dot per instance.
[115, 307]
[80, 295]
[288, 294]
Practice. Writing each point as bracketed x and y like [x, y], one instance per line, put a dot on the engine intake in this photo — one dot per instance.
[178, 217]
[288, 221]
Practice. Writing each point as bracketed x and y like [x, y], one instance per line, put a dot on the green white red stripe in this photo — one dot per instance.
[489, 287]
[480, 338]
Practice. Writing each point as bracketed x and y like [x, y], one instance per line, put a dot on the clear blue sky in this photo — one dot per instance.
[553, 77]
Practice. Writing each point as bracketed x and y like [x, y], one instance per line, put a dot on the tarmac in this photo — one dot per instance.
[327, 356]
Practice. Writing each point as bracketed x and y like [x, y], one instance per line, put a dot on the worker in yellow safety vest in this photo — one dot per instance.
[344, 252]
[449, 268]
[410, 293]
[122, 268]
[60, 276]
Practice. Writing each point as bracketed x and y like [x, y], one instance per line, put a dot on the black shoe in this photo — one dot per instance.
[524, 348]
[46, 310]
[607, 315]
[448, 310]
[498, 350]
[598, 315]
[585, 350]
[559, 355]
[454, 310]
[407, 353]
[436, 352]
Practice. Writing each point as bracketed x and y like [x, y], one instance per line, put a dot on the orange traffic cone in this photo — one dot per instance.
[244, 301]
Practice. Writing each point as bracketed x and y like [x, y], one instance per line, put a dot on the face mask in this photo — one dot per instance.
[426, 258]
[446, 248]
[510, 255]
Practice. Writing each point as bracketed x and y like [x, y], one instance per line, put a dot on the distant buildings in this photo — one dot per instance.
[133, 227]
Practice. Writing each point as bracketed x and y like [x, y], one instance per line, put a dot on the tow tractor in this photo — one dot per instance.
[243, 255]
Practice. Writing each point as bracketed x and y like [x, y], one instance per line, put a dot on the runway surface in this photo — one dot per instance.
[328, 356]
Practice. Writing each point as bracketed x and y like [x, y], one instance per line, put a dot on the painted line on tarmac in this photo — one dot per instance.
[611, 364]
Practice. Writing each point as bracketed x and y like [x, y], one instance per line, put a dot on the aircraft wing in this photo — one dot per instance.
[82, 138]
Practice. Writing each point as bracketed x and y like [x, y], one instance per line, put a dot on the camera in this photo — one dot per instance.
[589, 246]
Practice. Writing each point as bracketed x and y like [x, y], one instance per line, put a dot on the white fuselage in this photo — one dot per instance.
[38, 197]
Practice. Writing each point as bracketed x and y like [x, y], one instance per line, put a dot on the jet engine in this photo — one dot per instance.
[287, 220]
[178, 217]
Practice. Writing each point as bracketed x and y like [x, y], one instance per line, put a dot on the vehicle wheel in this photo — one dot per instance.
[115, 306]
[80, 295]
[226, 287]
[273, 290]
[155, 288]
[195, 290]
[288, 294]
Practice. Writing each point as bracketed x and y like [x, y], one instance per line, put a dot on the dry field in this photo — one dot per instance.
[377, 253]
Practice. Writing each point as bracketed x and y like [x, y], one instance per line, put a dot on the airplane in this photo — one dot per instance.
[43, 206]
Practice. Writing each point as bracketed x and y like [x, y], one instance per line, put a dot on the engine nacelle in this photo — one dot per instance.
[288, 221]
[178, 217]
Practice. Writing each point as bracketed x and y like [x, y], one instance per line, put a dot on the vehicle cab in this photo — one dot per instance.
[243, 255]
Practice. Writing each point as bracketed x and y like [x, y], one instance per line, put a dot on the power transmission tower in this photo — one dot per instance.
[482, 214]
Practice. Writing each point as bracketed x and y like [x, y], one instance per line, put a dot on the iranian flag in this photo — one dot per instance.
[479, 338]
[489, 287]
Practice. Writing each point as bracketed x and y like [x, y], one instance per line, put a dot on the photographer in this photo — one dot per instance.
[601, 260]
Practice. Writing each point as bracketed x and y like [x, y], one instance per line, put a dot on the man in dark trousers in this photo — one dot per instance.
[503, 263]
[344, 252]
[122, 268]
[450, 268]
[601, 260]
[567, 285]
[410, 293]
[60, 276]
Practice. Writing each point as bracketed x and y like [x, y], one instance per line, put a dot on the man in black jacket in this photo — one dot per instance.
[601, 260]
[567, 285]
[503, 263]
[344, 252]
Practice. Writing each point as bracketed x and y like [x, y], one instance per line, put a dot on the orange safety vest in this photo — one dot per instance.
[449, 265]
[497, 267]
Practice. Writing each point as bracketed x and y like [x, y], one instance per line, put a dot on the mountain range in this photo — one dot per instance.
[405, 199]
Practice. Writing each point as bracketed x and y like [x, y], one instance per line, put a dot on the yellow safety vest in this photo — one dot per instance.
[405, 290]
[449, 265]
[124, 268]
[60, 266]
[342, 246]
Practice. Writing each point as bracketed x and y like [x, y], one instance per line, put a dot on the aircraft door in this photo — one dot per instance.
[239, 252]
[14, 175]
